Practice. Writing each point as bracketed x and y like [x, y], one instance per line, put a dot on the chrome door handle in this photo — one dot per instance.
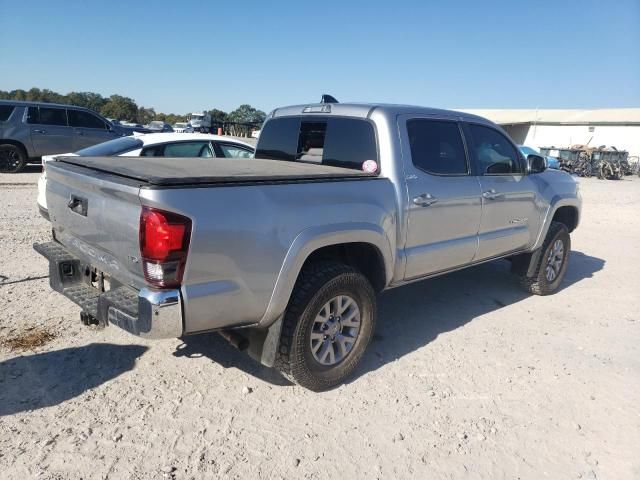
[37, 130]
[491, 194]
[425, 200]
[79, 132]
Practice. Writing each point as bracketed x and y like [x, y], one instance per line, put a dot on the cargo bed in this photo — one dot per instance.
[180, 172]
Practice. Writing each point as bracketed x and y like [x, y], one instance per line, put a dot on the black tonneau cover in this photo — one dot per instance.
[170, 171]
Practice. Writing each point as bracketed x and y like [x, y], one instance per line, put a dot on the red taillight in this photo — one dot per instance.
[164, 242]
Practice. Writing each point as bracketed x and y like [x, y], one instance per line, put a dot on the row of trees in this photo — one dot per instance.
[126, 109]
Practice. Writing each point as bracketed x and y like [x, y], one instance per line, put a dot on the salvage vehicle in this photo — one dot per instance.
[552, 162]
[158, 126]
[284, 254]
[153, 145]
[29, 130]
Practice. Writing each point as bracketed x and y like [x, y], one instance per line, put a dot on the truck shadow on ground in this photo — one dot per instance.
[410, 317]
[30, 382]
[214, 347]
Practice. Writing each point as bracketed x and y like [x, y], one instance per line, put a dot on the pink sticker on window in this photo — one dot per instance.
[370, 166]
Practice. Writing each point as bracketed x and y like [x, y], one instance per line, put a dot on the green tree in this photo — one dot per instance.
[93, 101]
[172, 118]
[50, 96]
[218, 115]
[145, 115]
[120, 108]
[247, 114]
[18, 95]
[34, 95]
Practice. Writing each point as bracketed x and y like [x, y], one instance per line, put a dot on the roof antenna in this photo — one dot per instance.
[326, 98]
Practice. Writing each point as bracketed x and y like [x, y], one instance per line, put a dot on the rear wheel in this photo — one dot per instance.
[328, 324]
[552, 263]
[12, 159]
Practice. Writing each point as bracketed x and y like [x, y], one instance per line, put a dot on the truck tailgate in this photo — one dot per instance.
[97, 216]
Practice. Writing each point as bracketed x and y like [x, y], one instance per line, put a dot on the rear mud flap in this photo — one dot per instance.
[264, 342]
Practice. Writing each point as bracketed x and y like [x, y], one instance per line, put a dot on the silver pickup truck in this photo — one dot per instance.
[284, 254]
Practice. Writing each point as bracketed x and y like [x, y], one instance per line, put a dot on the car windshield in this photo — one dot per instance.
[528, 150]
[156, 124]
[112, 147]
[180, 125]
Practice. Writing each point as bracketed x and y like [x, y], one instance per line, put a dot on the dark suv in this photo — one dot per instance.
[29, 130]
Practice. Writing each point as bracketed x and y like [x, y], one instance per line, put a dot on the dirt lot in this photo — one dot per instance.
[467, 377]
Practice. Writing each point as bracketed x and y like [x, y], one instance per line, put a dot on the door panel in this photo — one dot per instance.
[510, 217]
[49, 131]
[445, 234]
[444, 208]
[88, 129]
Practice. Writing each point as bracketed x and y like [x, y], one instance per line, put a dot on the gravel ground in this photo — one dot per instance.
[467, 377]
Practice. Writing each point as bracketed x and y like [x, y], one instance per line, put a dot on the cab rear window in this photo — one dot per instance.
[340, 142]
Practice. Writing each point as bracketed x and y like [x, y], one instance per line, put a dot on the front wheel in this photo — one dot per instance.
[328, 324]
[552, 262]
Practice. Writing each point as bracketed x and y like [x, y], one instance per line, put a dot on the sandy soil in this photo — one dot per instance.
[467, 377]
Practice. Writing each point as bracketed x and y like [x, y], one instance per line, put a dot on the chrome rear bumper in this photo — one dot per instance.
[146, 313]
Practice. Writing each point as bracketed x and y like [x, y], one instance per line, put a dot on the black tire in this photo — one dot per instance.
[539, 284]
[12, 158]
[317, 285]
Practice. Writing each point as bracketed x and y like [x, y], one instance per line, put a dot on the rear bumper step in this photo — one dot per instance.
[146, 313]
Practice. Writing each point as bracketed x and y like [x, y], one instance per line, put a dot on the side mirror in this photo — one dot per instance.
[537, 163]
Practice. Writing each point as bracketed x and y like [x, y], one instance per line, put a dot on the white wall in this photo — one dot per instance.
[623, 138]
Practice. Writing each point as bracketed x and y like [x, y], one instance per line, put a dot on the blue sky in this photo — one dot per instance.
[185, 56]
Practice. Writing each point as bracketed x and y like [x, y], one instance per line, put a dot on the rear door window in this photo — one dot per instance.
[436, 147]
[179, 149]
[81, 119]
[340, 142]
[5, 112]
[47, 116]
[229, 150]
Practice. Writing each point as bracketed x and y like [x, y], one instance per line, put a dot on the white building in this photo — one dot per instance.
[618, 127]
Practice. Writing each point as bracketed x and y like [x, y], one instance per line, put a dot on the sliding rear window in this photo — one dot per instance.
[339, 142]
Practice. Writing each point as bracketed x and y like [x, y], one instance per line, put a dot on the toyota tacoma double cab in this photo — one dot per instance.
[284, 254]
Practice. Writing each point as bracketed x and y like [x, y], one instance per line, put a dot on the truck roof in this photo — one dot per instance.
[365, 110]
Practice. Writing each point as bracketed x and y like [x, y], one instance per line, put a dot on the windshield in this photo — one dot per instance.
[528, 151]
[180, 125]
[112, 147]
[197, 117]
[156, 124]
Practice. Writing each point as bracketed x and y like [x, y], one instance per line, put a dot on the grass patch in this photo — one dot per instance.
[29, 340]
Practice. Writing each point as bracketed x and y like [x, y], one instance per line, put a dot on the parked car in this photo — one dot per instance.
[29, 130]
[284, 254]
[552, 162]
[153, 145]
[131, 128]
[182, 127]
[158, 126]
